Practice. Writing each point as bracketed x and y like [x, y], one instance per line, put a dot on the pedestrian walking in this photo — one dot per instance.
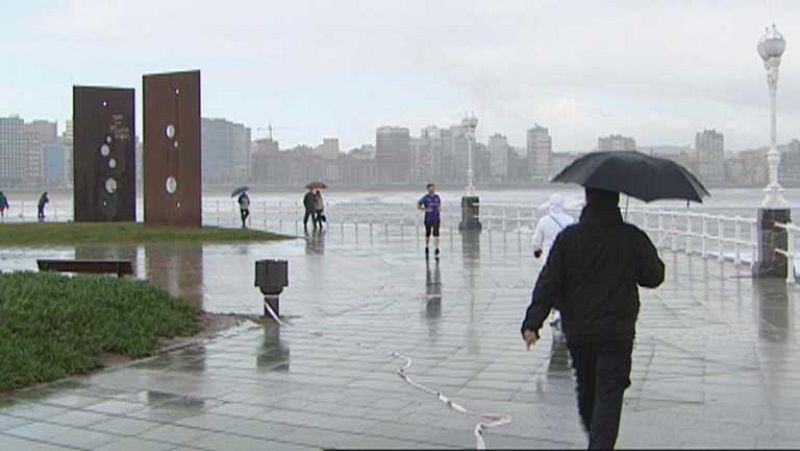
[244, 208]
[310, 205]
[319, 209]
[3, 205]
[547, 228]
[43, 200]
[591, 276]
[431, 204]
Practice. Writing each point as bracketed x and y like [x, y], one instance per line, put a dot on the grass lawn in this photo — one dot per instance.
[53, 326]
[67, 233]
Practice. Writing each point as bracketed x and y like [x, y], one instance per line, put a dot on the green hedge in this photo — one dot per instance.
[53, 326]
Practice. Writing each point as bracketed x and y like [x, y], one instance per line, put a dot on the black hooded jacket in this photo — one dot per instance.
[591, 276]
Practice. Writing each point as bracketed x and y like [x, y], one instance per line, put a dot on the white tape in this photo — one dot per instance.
[484, 420]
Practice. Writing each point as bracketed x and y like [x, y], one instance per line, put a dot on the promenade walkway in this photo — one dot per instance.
[716, 362]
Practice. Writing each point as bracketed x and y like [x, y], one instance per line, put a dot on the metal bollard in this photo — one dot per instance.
[271, 278]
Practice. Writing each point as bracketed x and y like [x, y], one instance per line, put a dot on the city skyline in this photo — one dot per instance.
[658, 72]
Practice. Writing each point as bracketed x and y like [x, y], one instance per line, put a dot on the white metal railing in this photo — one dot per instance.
[709, 235]
[790, 253]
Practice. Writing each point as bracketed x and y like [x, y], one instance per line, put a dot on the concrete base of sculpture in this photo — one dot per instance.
[770, 238]
[470, 214]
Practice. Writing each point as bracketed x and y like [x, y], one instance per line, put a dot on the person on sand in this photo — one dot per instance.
[592, 276]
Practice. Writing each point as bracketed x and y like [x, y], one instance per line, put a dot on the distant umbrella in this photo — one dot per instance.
[240, 190]
[633, 173]
[316, 185]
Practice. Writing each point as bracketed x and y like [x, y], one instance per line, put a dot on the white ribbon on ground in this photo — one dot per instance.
[485, 421]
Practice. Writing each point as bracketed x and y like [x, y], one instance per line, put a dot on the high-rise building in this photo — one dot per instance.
[329, 150]
[12, 142]
[459, 149]
[68, 141]
[226, 152]
[540, 152]
[54, 164]
[393, 154]
[615, 143]
[38, 134]
[709, 156]
[265, 155]
[498, 158]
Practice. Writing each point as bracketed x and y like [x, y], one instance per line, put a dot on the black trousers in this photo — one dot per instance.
[310, 214]
[602, 369]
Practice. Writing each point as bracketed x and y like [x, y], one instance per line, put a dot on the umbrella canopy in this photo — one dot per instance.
[316, 185]
[635, 174]
[240, 190]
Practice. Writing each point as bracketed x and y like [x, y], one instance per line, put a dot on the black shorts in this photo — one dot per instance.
[432, 227]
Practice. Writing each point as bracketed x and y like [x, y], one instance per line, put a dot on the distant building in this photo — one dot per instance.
[329, 150]
[38, 134]
[679, 154]
[499, 151]
[539, 152]
[709, 157]
[393, 154]
[264, 153]
[226, 152]
[12, 142]
[54, 164]
[68, 141]
[789, 170]
[615, 143]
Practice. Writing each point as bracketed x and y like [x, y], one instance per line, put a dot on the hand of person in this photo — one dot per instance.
[530, 338]
[537, 253]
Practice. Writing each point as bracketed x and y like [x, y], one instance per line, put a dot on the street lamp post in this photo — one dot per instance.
[774, 207]
[470, 203]
[770, 48]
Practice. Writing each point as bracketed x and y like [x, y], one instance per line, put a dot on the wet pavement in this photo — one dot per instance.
[716, 362]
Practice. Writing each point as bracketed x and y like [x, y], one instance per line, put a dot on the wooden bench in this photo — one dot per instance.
[119, 267]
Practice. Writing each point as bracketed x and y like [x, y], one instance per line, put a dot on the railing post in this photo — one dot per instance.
[660, 226]
[720, 242]
[790, 276]
[689, 233]
[674, 230]
[519, 220]
[753, 242]
[704, 233]
[738, 232]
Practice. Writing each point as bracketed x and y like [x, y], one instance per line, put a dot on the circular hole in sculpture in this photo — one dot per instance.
[105, 150]
[105, 103]
[178, 204]
[108, 139]
[172, 185]
[177, 91]
[105, 203]
[111, 185]
[170, 131]
[175, 144]
[112, 163]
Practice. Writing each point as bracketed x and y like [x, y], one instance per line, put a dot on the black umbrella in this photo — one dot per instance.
[635, 174]
[240, 190]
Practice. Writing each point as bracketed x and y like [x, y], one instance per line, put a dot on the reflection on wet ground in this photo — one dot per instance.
[716, 362]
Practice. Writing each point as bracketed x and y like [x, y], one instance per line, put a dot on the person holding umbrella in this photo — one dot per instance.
[3, 204]
[319, 208]
[592, 275]
[244, 203]
[43, 200]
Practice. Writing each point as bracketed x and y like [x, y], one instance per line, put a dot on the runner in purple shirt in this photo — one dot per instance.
[431, 204]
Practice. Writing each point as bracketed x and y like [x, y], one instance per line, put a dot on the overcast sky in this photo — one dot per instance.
[658, 71]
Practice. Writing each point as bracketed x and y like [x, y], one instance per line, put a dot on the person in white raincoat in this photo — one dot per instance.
[548, 227]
